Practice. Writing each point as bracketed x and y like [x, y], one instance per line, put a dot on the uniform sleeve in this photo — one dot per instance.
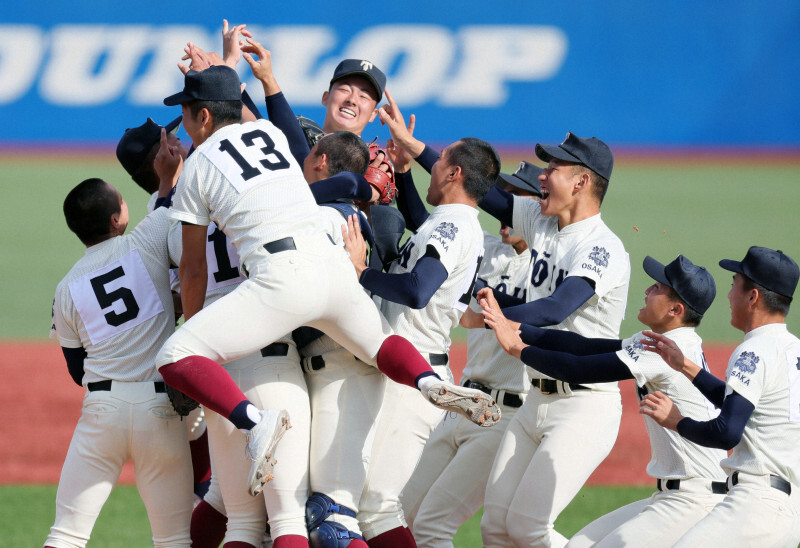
[525, 214]
[153, 233]
[644, 366]
[175, 243]
[603, 261]
[188, 204]
[745, 374]
[450, 243]
[63, 319]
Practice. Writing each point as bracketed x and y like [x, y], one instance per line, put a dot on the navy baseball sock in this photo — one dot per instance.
[242, 417]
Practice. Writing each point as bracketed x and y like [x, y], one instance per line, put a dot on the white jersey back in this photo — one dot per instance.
[454, 232]
[487, 363]
[245, 179]
[587, 249]
[116, 303]
[673, 456]
[765, 369]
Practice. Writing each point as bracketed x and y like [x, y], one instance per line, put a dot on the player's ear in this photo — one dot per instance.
[677, 309]
[325, 95]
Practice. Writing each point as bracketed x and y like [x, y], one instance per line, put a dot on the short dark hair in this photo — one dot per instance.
[88, 209]
[599, 183]
[222, 112]
[346, 151]
[773, 302]
[691, 316]
[145, 175]
[479, 163]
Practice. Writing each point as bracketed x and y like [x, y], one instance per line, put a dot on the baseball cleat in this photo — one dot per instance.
[475, 405]
[261, 443]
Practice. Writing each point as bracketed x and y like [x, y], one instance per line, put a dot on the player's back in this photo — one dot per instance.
[116, 303]
[245, 179]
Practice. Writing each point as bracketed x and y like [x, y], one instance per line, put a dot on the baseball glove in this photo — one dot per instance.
[182, 403]
[380, 174]
[312, 130]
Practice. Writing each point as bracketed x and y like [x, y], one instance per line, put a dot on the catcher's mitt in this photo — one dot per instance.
[380, 174]
[182, 403]
[312, 130]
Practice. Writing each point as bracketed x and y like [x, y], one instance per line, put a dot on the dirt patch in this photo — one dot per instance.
[41, 405]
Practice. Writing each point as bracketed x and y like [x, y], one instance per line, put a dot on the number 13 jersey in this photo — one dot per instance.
[116, 303]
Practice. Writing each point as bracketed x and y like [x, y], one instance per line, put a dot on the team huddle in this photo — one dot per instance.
[306, 398]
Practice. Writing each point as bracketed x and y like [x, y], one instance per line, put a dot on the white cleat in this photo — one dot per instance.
[475, 405]
[261, 443]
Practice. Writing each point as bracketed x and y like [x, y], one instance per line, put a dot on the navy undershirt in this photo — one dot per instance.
[723, 432]
[74, 358]
[413, 289]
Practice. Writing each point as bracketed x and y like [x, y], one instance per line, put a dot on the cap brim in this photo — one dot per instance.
[731, 265]
[547, 152]
[173, 126]
[177, 99]
[518, 183]
[655, 270]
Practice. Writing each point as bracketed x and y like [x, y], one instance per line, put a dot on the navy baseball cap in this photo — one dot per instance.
[590, 152]
[693, 284]
[216, 83]
[136, 143]
[361, 67]
[772, 270]
[526, 177]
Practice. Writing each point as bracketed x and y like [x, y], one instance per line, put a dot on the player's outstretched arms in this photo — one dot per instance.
[552, 310]
[231, 44]
[402, 135]
[499, 204]
[168, 165]
[262, 66]
[507, 332]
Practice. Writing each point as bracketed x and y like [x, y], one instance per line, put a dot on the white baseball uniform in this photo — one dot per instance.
[269, 378]
[407, 419]
[765, 370]
[245, 179]
[550, 448]
[116, 304]
[449, 483]
[664, 517]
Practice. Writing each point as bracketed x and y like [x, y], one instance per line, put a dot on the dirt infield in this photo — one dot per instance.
[40, 406]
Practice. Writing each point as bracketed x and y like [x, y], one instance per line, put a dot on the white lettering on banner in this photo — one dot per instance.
[21, 51]
[84, 65]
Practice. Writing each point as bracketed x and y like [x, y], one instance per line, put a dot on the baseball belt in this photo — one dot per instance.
[275, 349]
[159, 386]
[774, 481]
[284, 244]
[509, 399]
[550, 386]
[438, 359]
[717, 487]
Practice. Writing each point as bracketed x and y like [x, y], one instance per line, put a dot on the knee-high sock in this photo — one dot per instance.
[401, 362]
[399, 537]
[206, 381]
[290, 541]
[201, 461]
[208, 526]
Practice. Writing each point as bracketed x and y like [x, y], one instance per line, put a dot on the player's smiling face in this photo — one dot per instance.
[558, 187]
[350, 105]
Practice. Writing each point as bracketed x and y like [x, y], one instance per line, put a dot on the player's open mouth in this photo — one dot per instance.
[347, 112]
[545, 194]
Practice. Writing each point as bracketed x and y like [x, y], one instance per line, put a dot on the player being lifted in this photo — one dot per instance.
[238, 174]
[688, 475]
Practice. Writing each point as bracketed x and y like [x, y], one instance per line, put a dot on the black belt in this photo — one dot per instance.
[438, 359]
[550, 386]
[509, 398]
[106, 385]
[717, 487]
[275, 349]
[284, 244]
[774, 481]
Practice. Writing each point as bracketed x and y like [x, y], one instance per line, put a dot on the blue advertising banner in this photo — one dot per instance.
[710, 74]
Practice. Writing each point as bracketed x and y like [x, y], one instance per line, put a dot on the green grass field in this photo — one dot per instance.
[28, 513]
[705, 210]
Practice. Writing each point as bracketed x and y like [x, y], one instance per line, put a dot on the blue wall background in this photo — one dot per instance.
[666, 74]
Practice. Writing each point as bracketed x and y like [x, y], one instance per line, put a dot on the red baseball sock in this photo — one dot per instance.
[201, 461]
[355, 543]
[237, 544]
[399, 537]
[208, 526]
[401, 362]
[205, 381]
[290, 541]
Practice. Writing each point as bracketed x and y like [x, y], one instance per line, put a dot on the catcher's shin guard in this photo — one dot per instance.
[327, 534]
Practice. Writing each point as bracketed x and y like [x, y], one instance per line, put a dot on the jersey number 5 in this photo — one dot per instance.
[107, 298]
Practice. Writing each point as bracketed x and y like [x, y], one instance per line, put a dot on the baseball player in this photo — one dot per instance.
[295, 275]
[111, 313]
[689, 478]
[422, 297]
[759, 415]
[579, 283]
[448, 485]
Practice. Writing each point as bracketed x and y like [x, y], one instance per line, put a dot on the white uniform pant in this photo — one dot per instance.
[275, 382]
[346, 397]
[549, 450]
[405, 424]
[314, 285]
[753, 514]
[449, 483]
[129, 422]
[658, 521]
